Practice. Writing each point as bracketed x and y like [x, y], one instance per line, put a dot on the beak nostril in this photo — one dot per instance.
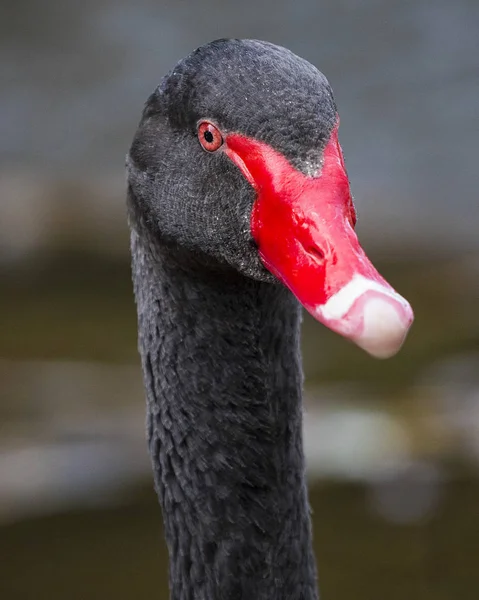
[316, 253]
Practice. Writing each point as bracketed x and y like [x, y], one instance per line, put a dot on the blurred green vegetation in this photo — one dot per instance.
[81, 308]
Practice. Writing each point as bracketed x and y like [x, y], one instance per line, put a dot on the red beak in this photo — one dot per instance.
[303, 227]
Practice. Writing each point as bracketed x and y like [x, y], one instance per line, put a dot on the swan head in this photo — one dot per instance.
[236, 164]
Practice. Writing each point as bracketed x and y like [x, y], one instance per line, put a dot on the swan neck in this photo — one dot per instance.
[222, 371]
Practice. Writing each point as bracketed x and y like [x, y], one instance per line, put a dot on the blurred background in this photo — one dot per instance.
[392, 447]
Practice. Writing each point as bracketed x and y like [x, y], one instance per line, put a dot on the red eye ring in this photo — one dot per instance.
[209, 136]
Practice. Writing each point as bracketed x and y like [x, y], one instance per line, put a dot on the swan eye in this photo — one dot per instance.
[210, 136]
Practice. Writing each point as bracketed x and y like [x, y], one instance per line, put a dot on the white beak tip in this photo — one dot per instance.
[370, 314]
[385, 326]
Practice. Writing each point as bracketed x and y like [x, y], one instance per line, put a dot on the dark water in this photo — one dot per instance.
[119, 553]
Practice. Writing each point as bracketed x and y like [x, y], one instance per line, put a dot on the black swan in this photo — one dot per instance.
[239, 206]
